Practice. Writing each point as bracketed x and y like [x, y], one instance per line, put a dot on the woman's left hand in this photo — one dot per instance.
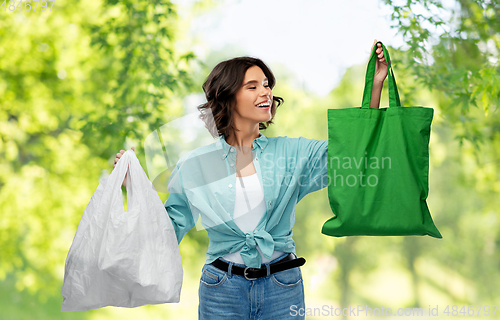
[381, 66]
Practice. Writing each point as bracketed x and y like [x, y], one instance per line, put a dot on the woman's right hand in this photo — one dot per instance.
[118, 156]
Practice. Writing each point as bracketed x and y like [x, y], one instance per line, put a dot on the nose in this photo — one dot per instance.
[266, 91]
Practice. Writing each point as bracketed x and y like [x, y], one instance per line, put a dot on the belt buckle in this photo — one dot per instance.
[245, 274]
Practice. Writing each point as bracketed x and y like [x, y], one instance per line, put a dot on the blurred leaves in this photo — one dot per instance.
[139, 73]
[455, 49]
[80, 80]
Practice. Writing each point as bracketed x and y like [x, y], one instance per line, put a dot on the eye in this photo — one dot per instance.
[251, 88]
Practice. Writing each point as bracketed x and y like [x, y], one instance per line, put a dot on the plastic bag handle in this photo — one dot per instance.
[132, 166]
[122, 167]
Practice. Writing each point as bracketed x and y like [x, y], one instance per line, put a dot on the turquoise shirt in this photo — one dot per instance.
[203, 183]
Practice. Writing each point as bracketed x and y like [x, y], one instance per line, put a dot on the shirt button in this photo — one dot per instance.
[232, 164]
[269, 202]
[230, 185]
[232, 149]
[257, 159]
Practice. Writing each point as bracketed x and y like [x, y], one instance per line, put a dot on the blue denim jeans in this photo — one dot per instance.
[227, 296]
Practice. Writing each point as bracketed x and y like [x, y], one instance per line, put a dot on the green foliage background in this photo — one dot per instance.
[81, 82]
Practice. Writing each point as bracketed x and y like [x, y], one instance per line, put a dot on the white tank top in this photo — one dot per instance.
[249, 208]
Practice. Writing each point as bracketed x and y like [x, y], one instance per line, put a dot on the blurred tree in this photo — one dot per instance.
[454, 49]
[81, 79]
[139, 71]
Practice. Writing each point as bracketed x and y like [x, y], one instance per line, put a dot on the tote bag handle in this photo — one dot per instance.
[370, 76]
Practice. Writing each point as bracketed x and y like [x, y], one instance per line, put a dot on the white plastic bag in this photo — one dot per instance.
[123, 258]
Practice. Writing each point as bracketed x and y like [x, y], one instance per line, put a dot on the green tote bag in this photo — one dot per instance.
[379, 166]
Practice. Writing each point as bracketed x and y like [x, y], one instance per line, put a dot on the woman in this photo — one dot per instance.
[246, 186]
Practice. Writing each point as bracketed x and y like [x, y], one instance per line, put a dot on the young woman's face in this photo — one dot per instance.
[254, 91]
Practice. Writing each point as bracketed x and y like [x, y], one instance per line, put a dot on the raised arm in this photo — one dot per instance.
[380, 75]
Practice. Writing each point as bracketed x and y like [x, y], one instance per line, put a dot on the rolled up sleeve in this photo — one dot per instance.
[177, 205]
[314, 174]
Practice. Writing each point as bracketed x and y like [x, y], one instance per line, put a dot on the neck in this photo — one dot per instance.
[243, 139]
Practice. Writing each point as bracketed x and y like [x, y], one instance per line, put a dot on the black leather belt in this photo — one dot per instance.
[286, 263]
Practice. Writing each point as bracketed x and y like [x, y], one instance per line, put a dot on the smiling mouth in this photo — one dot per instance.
[265, 104]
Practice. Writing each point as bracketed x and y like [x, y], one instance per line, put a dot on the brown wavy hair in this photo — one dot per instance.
[220, 89]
